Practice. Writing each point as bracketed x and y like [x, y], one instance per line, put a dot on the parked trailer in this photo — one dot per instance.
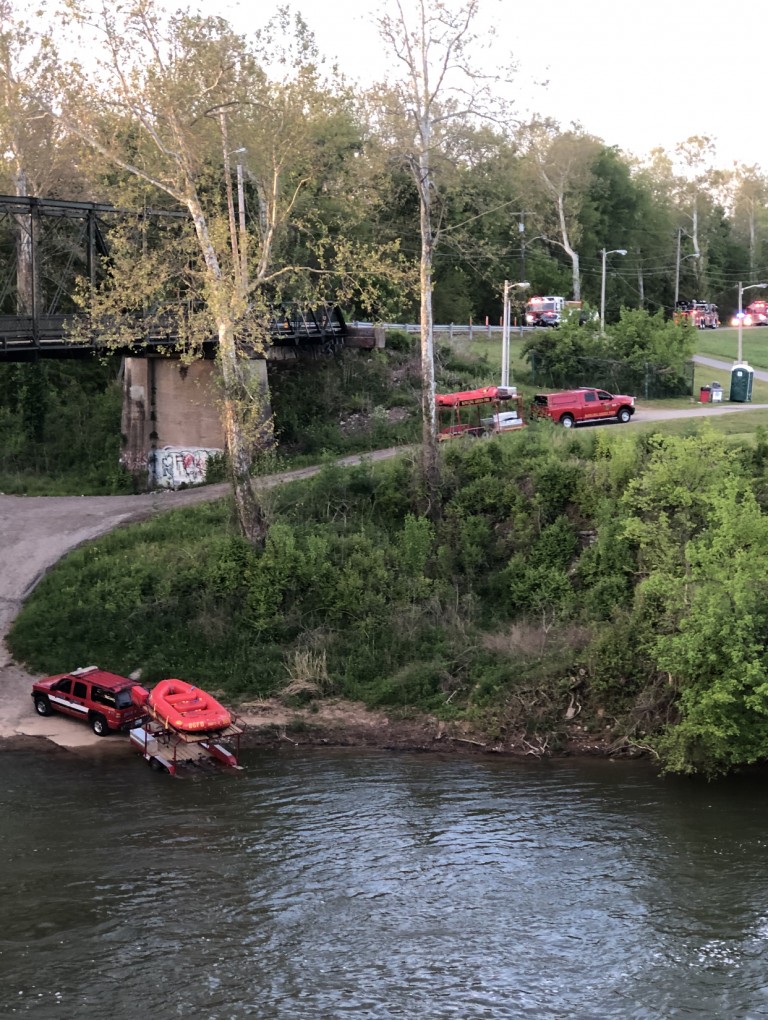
[479, 412]
[169, 750]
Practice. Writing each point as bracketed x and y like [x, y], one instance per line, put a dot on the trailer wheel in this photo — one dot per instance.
[99, 725]
[42, 706]
[567, 421]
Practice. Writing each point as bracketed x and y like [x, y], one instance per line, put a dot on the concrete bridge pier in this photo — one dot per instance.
[171, 423]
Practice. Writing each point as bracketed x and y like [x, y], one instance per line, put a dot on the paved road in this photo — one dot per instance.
[726, 366]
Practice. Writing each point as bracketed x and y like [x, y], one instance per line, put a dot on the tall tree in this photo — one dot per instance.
[749, 194]
[559, 169]
[167, 102]
[441, 88]
[37, 156]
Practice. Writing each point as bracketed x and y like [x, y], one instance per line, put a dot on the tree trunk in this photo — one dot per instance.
[250, 516]
[570, 252]
[27, 289]
[640, 286]
[430, 461]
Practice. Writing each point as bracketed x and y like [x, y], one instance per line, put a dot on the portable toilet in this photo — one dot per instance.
[742, 377]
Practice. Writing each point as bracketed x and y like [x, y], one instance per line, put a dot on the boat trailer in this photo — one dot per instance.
[168, 749]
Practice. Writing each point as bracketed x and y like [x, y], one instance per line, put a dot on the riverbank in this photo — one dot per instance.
[269, 724]
[38, 531]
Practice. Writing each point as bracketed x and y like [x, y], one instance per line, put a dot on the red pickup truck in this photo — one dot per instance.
[584, 404]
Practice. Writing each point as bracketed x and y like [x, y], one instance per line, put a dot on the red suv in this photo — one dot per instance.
[103, 699]
[583, 404]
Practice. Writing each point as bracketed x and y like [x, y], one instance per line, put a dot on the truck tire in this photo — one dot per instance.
[625, 415]
[42, 705]
[567, 421]
[99, 725]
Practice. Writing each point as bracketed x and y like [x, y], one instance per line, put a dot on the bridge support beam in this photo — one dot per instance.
[171, 422]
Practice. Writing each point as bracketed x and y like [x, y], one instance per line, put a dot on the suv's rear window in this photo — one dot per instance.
[541, 399]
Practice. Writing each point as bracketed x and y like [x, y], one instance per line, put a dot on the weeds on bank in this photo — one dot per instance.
[549, 592]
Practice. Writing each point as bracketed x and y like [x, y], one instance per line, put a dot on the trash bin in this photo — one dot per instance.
[705, 394]
[716, 396]
[741, 382]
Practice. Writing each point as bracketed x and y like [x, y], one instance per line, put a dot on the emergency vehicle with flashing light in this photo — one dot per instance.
[701, 314]
[758, 312]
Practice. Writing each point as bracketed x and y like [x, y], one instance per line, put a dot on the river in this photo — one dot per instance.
[370, 885]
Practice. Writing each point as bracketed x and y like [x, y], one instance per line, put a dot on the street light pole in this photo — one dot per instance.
[605, 254]
[740, 313]
[677, 270]
[505, 331]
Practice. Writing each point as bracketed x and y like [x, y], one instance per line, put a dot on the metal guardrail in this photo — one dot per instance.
[453, 328]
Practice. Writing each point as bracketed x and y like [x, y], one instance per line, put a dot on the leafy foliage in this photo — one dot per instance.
[640, 354]
[60, 428]
[627, 573]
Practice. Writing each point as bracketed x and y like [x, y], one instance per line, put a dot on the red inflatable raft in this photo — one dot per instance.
[179, 705]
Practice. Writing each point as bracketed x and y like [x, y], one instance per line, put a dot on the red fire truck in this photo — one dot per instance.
[758, 313]
[700, 314]
[550, 310]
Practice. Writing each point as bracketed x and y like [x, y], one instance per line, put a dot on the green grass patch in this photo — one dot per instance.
[723, 343]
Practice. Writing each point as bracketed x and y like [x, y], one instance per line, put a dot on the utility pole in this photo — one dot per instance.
[505, 338]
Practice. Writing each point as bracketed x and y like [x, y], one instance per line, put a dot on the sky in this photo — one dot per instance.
[639, 74]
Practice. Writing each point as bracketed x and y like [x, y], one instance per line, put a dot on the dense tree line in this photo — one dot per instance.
[403, 200]
[533, 201]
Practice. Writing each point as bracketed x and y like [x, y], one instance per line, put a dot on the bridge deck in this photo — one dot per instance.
[27, 338]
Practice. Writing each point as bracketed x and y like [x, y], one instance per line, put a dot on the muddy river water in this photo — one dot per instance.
[373, 885]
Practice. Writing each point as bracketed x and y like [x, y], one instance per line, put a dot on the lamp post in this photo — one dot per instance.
[505, 330]
[740, 311]
[605, 254]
